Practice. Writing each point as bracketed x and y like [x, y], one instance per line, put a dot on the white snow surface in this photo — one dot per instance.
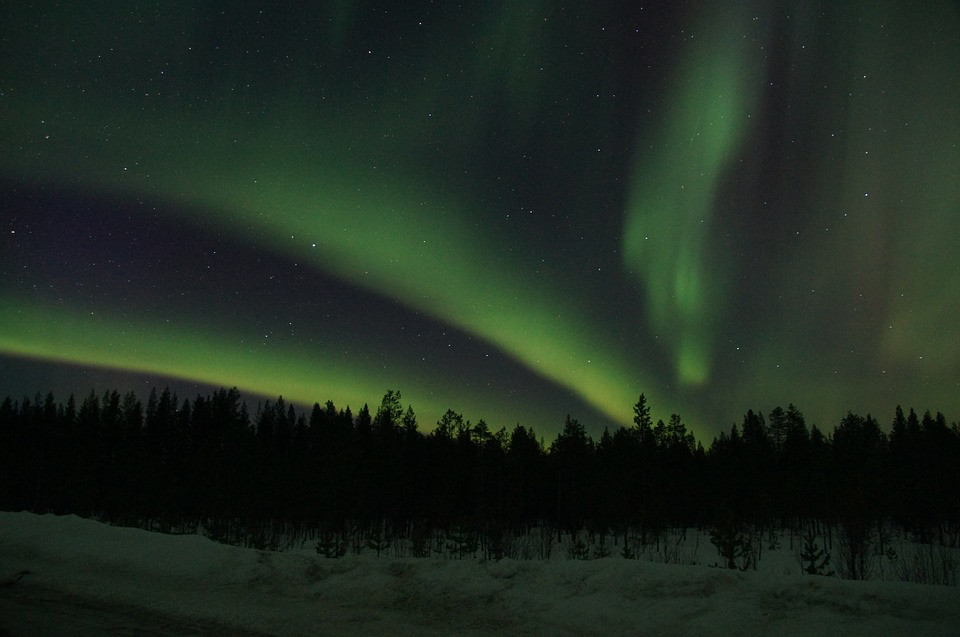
[88, 578]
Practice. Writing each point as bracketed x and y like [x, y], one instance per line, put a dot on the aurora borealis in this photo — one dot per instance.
[516, 210]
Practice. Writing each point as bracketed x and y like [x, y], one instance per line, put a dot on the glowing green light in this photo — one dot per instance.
[394, 233]
[226, 355]
[676, 176]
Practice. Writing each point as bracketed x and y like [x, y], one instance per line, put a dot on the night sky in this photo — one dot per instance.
[517, 210]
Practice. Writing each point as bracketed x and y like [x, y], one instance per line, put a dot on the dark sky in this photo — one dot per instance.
[517, 210]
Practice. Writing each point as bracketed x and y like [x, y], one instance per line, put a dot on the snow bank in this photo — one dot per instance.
[86, 577]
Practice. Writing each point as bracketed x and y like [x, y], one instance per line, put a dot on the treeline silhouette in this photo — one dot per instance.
[261, 478]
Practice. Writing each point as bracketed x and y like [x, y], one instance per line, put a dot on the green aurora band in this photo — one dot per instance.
[385, 236]
[207, 353]
[668, 223]
[290, 180]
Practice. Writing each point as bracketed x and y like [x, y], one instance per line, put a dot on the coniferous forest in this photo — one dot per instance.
[276, 477]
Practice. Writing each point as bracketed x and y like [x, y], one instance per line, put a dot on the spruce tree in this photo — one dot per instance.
[815, 560]
[642, 421]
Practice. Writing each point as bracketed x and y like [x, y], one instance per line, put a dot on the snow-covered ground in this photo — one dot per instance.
[89, 578]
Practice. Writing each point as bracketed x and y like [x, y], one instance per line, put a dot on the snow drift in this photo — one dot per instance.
[71, 576]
